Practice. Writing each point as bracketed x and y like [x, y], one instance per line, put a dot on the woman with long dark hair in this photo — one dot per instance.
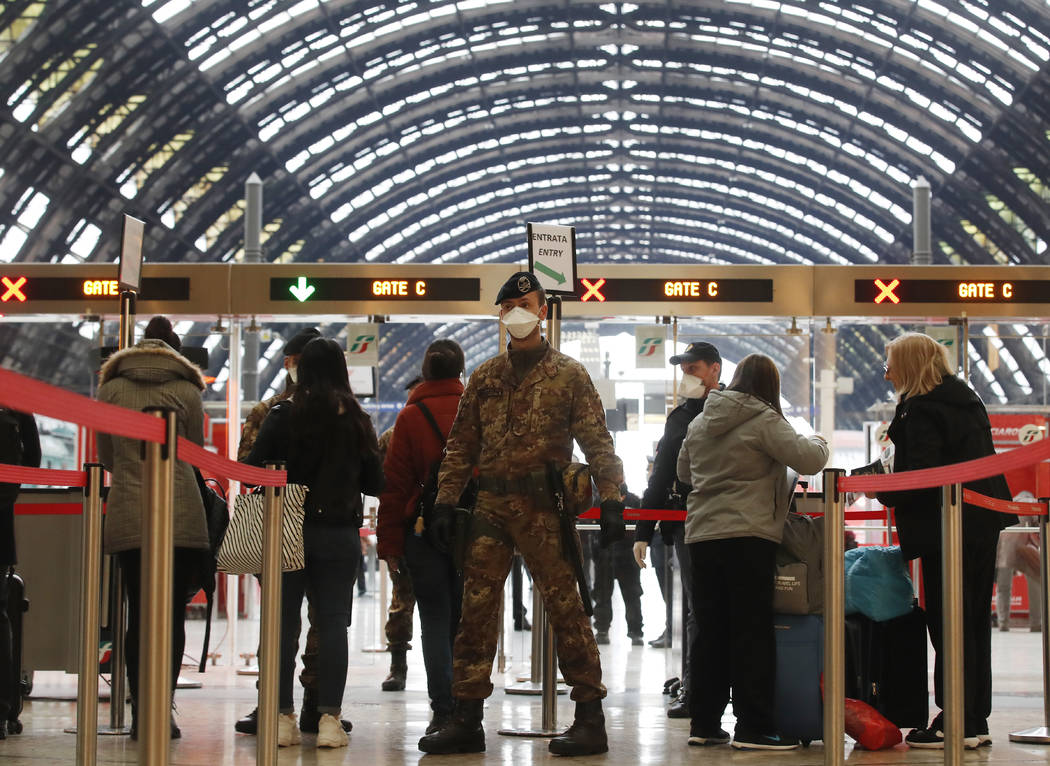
[734, 457]
[330, 446]
[418, 441]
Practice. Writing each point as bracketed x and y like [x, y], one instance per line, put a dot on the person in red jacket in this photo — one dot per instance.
[401, 537]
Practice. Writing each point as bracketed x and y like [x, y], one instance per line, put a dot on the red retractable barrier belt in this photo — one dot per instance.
[639, 514]
[20, 474]
[956, 473]
[25, 394]
[1003, 506]
[249, 474]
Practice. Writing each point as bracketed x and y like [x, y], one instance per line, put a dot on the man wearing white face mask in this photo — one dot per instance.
[701, 369]
[520, 411]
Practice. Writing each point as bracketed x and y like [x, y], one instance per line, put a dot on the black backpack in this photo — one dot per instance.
[10, 449]
[428, 495]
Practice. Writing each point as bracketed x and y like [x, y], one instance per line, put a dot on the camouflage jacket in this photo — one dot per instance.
[255, 419]
[507, 430]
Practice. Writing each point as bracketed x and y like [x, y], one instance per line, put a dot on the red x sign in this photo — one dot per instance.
[13, 289]
[886, 291]
[592, 290]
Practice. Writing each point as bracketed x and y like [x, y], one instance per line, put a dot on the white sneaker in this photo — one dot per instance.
[287, 730]
[330, 732]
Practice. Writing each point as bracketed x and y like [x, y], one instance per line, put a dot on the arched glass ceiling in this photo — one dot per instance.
[721, 132]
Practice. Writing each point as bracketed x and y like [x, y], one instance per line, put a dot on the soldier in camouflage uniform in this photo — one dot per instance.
[309, 716]
[398, 628]
[520, 410]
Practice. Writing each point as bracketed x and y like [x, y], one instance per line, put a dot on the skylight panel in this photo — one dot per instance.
[170, 9]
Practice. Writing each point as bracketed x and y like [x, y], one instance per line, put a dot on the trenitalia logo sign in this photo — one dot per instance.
[649, 342]
[362, 345]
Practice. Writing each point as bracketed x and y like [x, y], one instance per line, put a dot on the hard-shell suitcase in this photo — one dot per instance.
[798, 708]
[886, 666]
[17, 606]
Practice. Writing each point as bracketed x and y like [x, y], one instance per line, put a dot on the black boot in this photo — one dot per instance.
[586, 736]
[395, 682]
[463, 734]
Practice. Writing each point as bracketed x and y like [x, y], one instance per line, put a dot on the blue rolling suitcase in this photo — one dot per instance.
[798, 707]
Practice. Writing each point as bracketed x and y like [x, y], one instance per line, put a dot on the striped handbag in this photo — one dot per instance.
[241, 550]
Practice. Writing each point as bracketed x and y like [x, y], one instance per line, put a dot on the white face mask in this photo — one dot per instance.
[520, 322]
[293, 374]
[691, 387]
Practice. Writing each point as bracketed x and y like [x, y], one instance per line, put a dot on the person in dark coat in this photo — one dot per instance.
[330, 446]
[402, 539]
[701, 370]
[23, 445]
[939, 421]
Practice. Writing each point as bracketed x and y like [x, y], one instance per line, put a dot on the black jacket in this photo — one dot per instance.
[30, 439]
[664, 477]
[336, 469]
[947, 425]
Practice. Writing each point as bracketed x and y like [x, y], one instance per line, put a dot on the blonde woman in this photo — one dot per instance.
[940, 421]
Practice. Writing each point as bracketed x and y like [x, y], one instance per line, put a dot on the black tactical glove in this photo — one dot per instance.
[442, 526]
[611, 526]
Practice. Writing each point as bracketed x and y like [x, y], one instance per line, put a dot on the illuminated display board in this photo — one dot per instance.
[313, 289]
[22, 289]
[889, 291]
[700, 290]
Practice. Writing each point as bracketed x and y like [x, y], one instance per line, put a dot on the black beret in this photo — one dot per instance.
[701, 351]
[522, 283]
[295, 346]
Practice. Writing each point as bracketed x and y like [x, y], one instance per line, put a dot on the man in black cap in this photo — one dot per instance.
[309, 716]
[701, 369]
[520, 411]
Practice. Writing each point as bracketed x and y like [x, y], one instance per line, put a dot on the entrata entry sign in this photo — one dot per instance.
[552, 256]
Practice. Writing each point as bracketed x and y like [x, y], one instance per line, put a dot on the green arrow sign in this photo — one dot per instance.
[302, 290]
[549, 272]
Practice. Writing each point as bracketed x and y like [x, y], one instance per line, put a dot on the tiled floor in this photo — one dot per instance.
[387, 725]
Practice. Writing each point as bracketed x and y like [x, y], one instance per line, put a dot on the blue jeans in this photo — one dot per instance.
[439, 597]
[332, 557]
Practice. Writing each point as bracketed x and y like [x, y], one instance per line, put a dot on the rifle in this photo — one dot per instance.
[569, 540]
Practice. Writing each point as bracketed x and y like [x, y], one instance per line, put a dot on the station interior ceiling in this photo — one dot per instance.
[430, 132]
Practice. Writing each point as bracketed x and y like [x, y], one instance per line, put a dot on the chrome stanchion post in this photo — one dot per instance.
[118, 605]
[270, 623]
[118, 625]
[155, 630]
[1040, 735]
[834, 620]
[91, 564]
[951, 571]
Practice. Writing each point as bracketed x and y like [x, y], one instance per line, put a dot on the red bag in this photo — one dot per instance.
[871, 729]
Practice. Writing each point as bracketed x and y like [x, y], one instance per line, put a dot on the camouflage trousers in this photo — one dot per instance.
[399, 616]
[502, 523]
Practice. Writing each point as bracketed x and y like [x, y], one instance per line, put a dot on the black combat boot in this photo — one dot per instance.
[395, 682]
[463, 734]
[586, 736]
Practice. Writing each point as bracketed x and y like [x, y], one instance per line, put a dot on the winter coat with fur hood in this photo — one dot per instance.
[151, 373]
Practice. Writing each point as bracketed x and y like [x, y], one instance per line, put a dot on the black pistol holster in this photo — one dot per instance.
[553, 491]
